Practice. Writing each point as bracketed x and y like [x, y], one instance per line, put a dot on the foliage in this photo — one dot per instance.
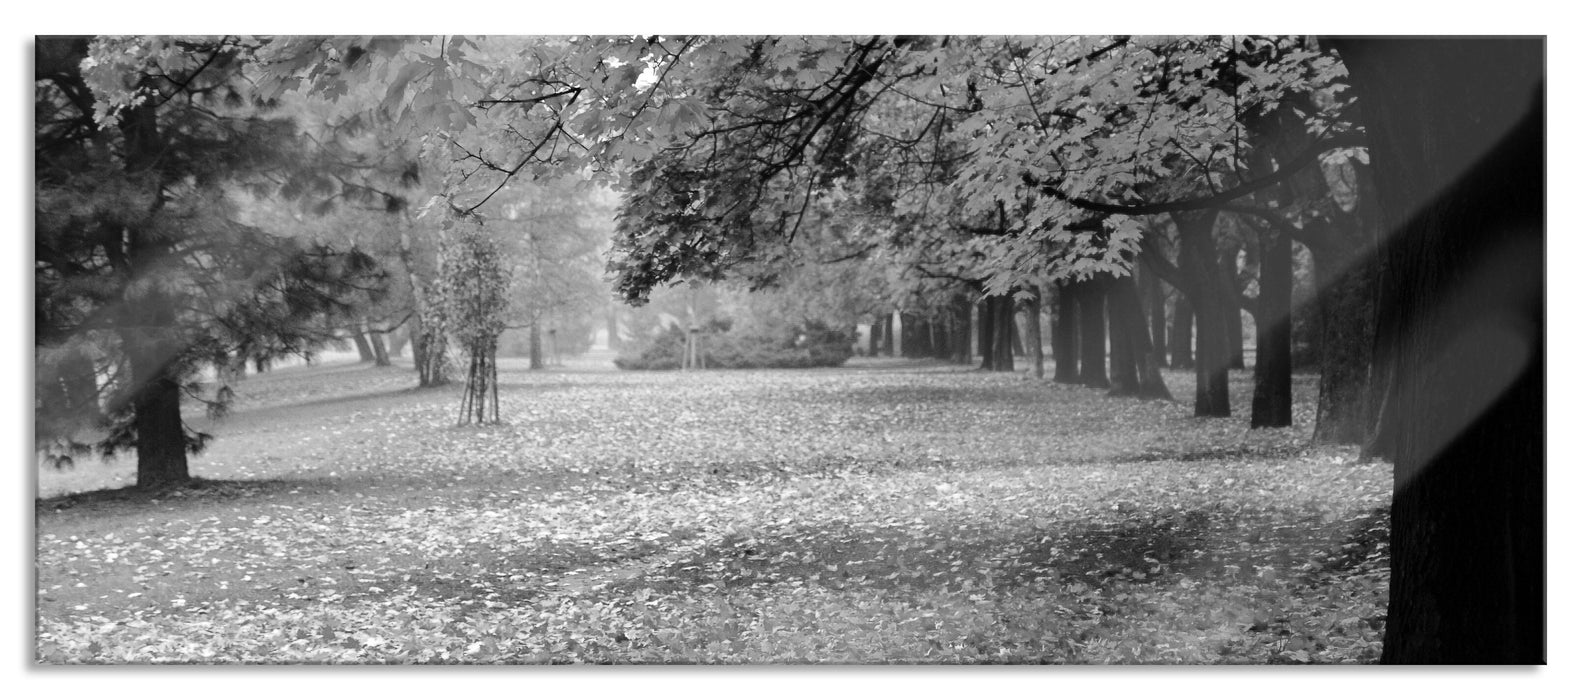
[475, 287]
[723, 347]
[931, 516]
[146, 268]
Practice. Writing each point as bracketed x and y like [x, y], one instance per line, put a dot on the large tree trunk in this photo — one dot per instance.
[873, 339]
[1090, 300]
[155, 399]
[1345, 338]
[1065, 334]
[1271, 392]
[1456, 139]
[147, 339]
[1181, 334]
[1201, 279]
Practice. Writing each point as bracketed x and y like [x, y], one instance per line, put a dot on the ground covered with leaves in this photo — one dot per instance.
[883, 512]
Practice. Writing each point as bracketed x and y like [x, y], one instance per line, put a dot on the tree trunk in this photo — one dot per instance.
[160, 435]
[535, 345]
[1271, 393]
[873, 339]
[962, 331]
[1123, 353]
[1345, 303]
[1127, 310]
[365, 352]
[1202, 281]
[889, 334]
[376, 340]
[1236, 352]
[1153, 299]
[986, 334]
[1090, 301]
[1035, 336]
[1456, 136]
[1065, 334]
[999, 320]
[1181, 334]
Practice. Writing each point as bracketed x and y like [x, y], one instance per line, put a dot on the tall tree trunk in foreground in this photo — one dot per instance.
[1065, 334]
[1090, 299]
[1202, 281]
[1271, 394]
[1347, 288]
[1455, 131]
[1181, 334]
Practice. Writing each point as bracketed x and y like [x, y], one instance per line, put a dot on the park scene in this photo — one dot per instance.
[789, 349]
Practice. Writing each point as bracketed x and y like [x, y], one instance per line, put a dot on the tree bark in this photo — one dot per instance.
[1271, 393]
[1090, 300]
[1202, 281]
[1236, 351]
[1345, 318]
[1065, 334]
[1455, 129]
[1123, 352]
[376, 341]
[999, 320]
[1153, 299]
[1181, 334]
[1035, 336]
[962, 331]
[365, 352]
[1127, 310]
[535, 345]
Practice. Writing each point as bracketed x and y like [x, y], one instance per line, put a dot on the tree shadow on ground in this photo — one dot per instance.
[131, 499]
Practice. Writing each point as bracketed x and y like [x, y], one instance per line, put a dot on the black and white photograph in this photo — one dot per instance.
[788, 349]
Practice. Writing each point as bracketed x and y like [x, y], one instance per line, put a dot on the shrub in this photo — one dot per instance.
[812, 345]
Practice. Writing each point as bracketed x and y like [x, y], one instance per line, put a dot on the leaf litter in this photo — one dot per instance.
[873, 514]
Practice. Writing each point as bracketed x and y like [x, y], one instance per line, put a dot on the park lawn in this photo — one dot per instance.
[885, 512]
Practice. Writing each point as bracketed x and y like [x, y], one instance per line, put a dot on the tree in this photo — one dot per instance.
[476, 288]
[145, 272]
[1455, 130]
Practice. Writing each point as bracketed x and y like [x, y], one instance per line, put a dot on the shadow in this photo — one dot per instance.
[196, 491]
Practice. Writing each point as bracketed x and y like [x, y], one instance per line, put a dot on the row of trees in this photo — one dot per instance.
[944, 171]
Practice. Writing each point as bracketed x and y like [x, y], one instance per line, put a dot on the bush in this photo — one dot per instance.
[813, 345]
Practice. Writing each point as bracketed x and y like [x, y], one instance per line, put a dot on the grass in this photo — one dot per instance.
[885, 512]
